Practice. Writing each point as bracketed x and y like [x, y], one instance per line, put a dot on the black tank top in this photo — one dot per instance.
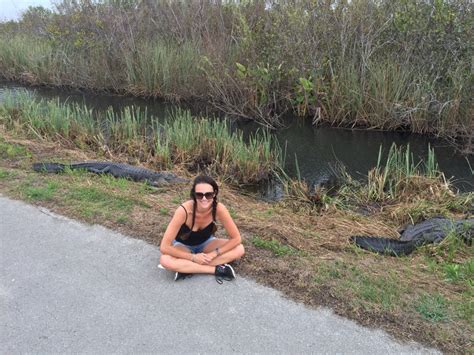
[189, 237]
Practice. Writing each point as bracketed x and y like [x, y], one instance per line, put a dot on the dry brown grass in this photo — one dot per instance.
[325, 270]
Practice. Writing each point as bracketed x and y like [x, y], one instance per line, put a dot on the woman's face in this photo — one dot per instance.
[204, 194]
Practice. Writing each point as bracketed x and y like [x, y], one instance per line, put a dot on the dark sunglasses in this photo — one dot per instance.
[200, 195]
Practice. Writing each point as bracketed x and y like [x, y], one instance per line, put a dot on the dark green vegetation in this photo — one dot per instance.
[299, 245]
[378, 64]
[405, 190]
[11, 151]
[182, 140]
[276, 247]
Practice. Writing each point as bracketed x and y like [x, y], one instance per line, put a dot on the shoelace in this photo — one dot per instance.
[220, 279]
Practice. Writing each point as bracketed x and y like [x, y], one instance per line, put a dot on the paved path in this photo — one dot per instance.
[68, 287]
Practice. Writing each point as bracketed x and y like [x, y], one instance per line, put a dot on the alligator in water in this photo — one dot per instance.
[433, 230]
[118, 170]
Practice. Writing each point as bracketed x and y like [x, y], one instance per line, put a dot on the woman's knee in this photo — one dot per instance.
[239, 250]
[166, 261]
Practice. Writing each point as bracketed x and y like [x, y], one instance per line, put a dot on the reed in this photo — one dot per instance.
[161, 149]
[395, 178]
[210, 144]
[360, 63]
[197, 143]
[126, 132]
[34, 61]
[164, 70]
[49, 119]
[399, 174]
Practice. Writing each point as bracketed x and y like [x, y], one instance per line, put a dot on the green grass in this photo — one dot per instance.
[277, 248]
[379, 290]
[391, 178]
[164, 211]
[176, 199]
[210, 143]
[4, 174]
[232, 212]
[328, 271]
[465, 306]
[122, 219]
[49, 119]
[451, 246]
[196, 142]
[92, 201]
[432, 307]
[371, 291]
[164, 69]
[452, 272]
[145, 188]
[121, 184]
[365, 290]
[41, 193]
[456, 272]
[23, 53]
[12, 151]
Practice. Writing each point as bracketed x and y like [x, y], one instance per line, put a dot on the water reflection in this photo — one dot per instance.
[358, 150]
[316, 148]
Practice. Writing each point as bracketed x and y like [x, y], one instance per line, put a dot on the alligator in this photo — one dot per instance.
[118, 170]
[433, 230]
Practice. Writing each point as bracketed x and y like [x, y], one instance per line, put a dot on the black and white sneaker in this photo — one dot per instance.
[224, 272]
[181, 276]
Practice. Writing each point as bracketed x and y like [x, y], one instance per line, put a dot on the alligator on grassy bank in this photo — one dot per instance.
[433, 230]
[118, 170]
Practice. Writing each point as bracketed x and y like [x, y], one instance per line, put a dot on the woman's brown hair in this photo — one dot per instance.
[203, 179]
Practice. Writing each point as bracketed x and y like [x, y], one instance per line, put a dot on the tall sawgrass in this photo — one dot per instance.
[211, 143]
[164, 70]
[126, 132]
[396, 178]
[363, 63]
[399, 174]
[49, 119]
[390, 95]
[197, 143]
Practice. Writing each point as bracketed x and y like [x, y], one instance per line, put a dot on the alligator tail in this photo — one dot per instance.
[49, 167]
[384, 246]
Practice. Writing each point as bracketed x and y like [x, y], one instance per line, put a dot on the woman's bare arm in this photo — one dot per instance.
[172, 230]
[225, 218]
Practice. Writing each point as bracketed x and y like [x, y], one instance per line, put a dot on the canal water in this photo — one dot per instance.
[315, 150]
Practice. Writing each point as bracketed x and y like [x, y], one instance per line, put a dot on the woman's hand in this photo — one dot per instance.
[212, 255]
[202, 259]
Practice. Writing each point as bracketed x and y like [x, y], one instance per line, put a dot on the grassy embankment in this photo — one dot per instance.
[374, 64]
[299, 245]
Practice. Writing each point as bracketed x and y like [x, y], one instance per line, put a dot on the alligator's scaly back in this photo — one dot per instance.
[433, 230]
[49, 167]
[385, 246]
[118, 170]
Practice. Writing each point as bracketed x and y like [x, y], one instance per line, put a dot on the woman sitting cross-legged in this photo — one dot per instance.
[189, 245]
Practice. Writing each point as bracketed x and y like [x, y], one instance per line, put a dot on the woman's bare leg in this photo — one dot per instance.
[227, 257]
[187, 266]
[184, 265]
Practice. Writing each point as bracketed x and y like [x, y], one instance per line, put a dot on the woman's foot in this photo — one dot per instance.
[224, 272]
[181, 275]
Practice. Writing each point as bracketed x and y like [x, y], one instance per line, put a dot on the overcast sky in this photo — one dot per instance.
[12, 9]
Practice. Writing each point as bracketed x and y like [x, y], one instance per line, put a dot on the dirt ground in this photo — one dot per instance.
[305, 253]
